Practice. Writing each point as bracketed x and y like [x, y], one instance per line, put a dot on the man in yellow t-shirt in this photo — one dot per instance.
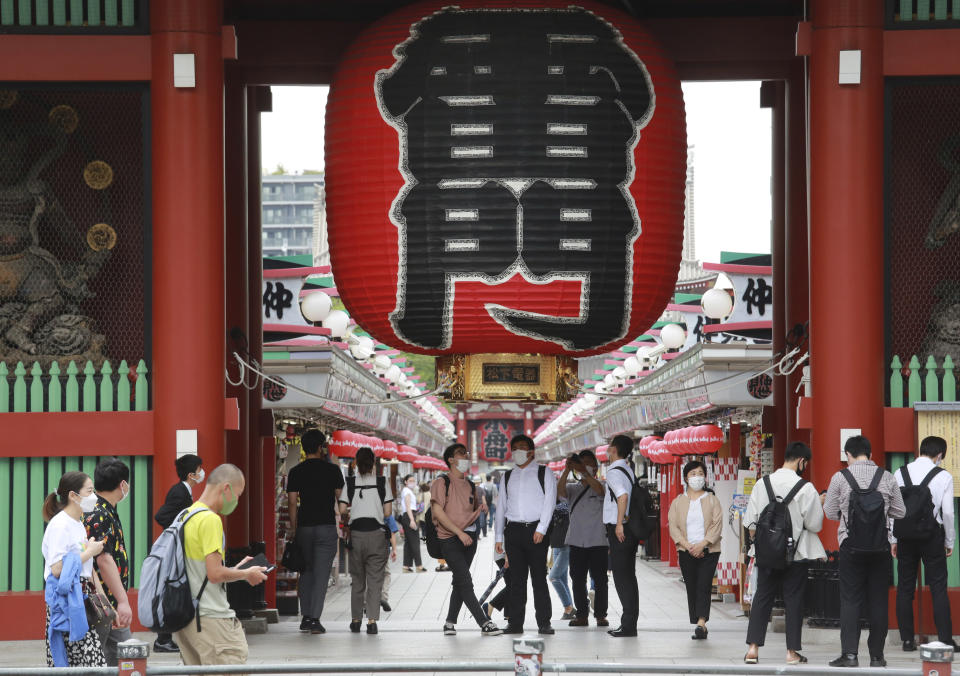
[221, 639]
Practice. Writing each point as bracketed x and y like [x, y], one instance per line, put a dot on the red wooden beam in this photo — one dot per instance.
[62, 58]
[921, 52]
[77, 433]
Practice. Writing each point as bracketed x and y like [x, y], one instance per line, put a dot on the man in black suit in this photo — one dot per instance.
[179, 497]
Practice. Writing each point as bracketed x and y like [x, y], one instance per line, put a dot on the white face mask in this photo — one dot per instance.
[88, 503]
[520, 457]
[124, 494]
[200, 476]
[463, 465]
[592, 471]
[696, 482]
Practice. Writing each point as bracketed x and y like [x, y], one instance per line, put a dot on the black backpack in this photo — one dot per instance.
[429, 530]
[866, 515]
[638, 508]
[920, 522]
[352, 488]
[773, 543]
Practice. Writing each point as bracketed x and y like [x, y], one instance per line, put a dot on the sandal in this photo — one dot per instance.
[750, 660]
[800, 659]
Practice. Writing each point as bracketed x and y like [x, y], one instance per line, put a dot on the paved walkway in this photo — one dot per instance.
[412, 631]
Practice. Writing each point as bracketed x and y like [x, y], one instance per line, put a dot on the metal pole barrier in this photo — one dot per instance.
[528, 656]
[132, 657]
[937, 658]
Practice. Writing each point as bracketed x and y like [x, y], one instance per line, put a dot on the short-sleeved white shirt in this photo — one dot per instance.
[617, 484]
[63, 535]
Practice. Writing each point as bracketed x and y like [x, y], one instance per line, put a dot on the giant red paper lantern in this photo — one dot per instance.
[505, 176]
[601, 454]
[407, 454]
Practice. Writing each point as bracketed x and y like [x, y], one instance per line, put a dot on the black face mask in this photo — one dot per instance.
[802, 468]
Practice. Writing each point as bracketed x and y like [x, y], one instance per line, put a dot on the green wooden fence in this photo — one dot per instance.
[69, 13]
[25, 482]
[932, 381]
[926, 10]
[73, 389]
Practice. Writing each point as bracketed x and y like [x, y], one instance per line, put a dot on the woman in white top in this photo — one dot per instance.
[367, 505]
[66, 535]
[409, 507]
[696, 522]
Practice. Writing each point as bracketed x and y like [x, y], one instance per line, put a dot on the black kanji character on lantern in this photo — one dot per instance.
[759, 294]
[517, 130]
[494, 441]
[277, 299]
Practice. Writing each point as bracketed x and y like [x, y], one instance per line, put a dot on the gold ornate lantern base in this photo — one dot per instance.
[508, 377]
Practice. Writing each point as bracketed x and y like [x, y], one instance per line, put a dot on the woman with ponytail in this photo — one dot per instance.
[68, 573]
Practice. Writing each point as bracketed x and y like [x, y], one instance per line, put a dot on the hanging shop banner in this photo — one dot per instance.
[505, 177]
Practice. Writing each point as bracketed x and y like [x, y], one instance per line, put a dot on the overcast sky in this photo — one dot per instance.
[725, 124]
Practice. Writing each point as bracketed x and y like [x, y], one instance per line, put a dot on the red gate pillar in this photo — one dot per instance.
[236, 289]
[796, 291]
[846, 231]
[187, 178]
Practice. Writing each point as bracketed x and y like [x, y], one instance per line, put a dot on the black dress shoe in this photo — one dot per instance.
[385, 606]
[878, 661]
[845, 661]
[546, 630]
[509, 629]
[699, 633]
[355, 627]
[316, 627]
[620, 632]
[165, 647]
[372, 628]
[305, 623]
[909, 646]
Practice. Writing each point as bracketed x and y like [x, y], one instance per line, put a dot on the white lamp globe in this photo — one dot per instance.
[673, 336]
[716, 303]
[381, 363]
[590, 400]
[609, 380]
[337, 321]
[315, 307]
[620, 373]
[643, 352]
[363, 348]
[600, 388]
[632, 366]
[393, 373]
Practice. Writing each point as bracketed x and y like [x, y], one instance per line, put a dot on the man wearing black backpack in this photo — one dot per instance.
[527, 496]
[784, 530]
[925, 533]
[863, 497]
[622, 540]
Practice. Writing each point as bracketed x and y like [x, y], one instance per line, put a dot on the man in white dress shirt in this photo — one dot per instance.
[527, 497]
[623, 546]
[932, 547]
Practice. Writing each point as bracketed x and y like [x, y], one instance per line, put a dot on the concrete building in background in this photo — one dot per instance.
[290, 206]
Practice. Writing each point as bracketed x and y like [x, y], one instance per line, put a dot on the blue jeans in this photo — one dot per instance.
[558, 574]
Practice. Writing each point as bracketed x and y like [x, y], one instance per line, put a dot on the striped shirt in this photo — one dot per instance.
[838, 495]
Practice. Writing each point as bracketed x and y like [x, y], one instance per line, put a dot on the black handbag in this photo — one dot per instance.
[293, 558]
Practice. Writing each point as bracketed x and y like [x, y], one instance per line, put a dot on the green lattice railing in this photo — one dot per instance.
[71, 15]
[73, 389]
[916, 11]
[22, 525]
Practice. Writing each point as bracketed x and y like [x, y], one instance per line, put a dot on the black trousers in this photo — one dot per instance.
[793, 581]
[594, 561]
[526, 558]
[698, 577]
[864, 577]
[411, 544]
[909, 555]
[458, 558]
[623, 562]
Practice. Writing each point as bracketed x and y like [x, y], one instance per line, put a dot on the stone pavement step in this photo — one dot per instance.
[412, 630]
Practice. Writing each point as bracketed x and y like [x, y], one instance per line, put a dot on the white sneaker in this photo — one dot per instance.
[490, 629]
[591, 594]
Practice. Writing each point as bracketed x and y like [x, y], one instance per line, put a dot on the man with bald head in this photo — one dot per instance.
[216, 636]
